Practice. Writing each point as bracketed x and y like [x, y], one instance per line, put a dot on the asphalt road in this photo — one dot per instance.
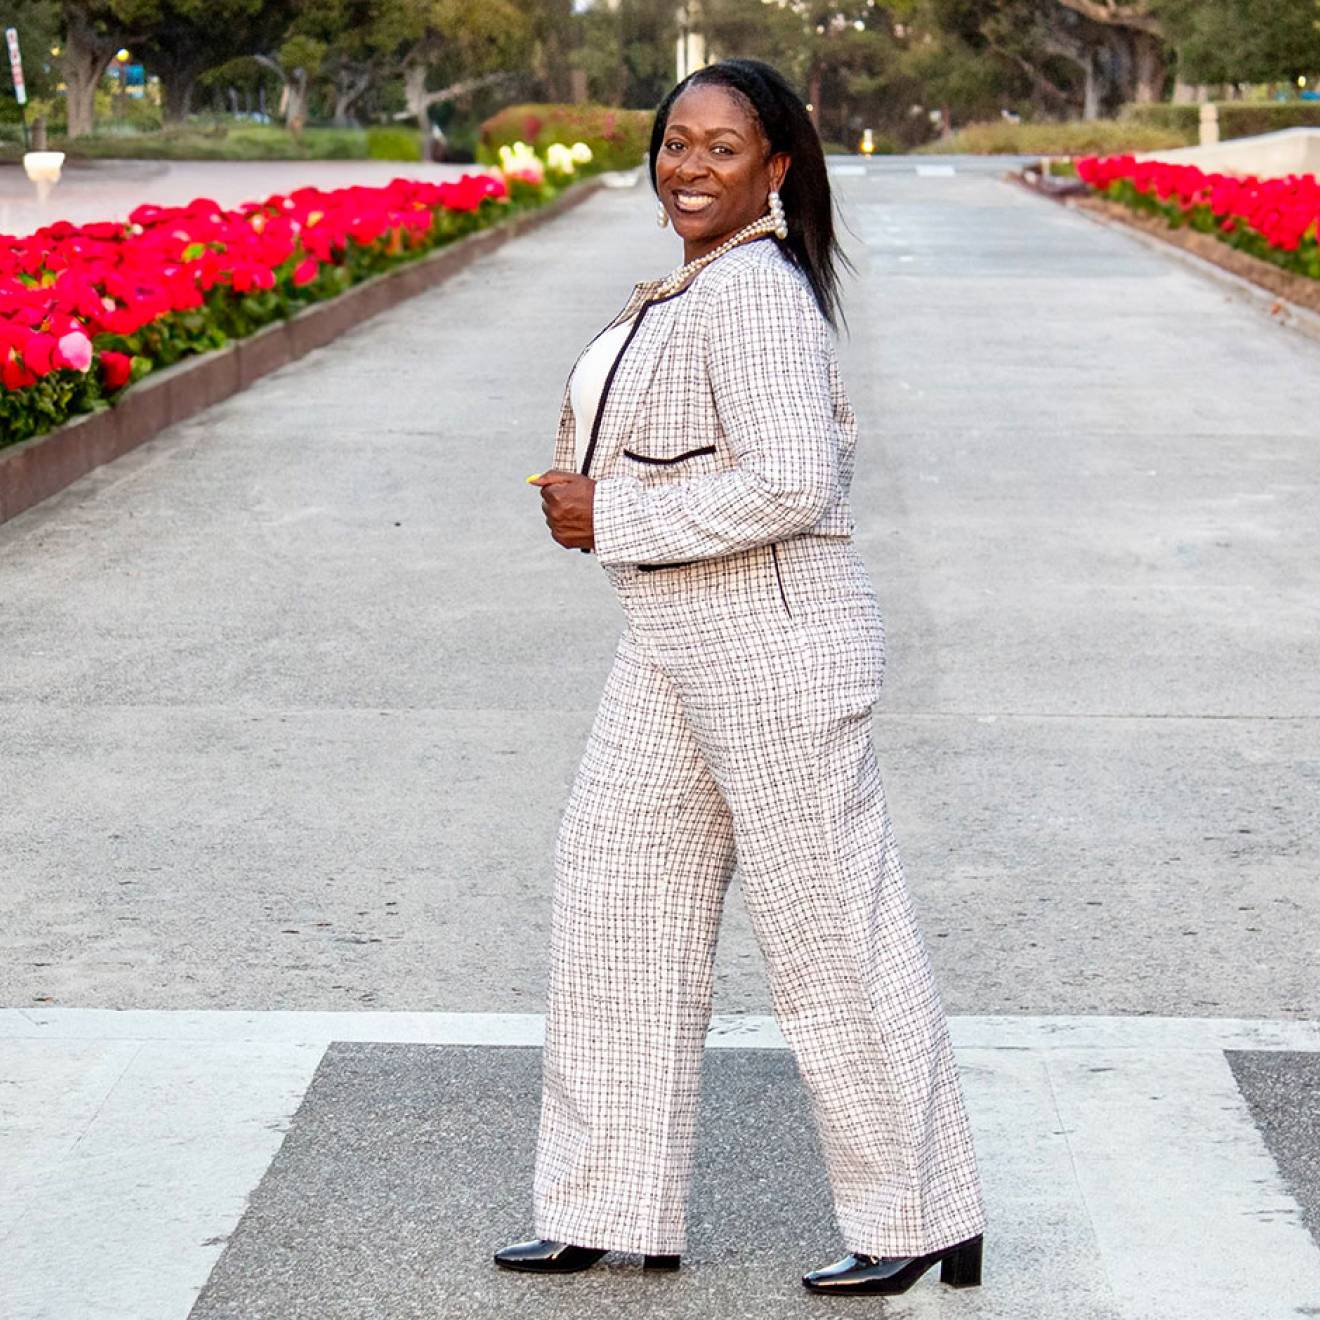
[292, 695]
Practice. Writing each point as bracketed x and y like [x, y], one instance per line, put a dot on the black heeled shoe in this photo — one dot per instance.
[960, 1267]
[547, 1256]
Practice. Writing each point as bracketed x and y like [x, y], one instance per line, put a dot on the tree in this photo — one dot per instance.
[1134, 24]
[627, 51]
[1231, 41]
[297, 62]
[188, 37]
[94, 30]
[838, 54]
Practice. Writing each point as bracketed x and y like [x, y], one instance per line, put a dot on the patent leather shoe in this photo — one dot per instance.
[960, 1267]
[548, 1256]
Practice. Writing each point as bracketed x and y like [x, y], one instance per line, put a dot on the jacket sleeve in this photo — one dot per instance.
[768, 358]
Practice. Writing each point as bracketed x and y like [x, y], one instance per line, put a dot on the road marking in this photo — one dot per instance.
[1117, 1152]
[310, 1026]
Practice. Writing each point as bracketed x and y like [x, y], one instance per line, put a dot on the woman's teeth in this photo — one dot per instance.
[692, 201]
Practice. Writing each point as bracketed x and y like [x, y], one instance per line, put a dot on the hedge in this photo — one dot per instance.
[1069, 138]
[1236, 118]
[618, 138]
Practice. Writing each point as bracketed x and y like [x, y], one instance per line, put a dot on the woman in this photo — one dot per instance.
[704, 454]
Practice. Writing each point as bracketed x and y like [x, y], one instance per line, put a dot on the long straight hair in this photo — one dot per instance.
[812, 244]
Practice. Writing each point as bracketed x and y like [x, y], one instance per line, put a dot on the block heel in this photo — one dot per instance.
[660, 1263]
[961, 1268]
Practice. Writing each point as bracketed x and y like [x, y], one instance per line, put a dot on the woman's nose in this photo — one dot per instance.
[692, 166]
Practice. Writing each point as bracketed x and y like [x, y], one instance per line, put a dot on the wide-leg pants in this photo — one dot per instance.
[735, 727]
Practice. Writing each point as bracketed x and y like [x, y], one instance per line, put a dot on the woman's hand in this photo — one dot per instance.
[566, 500]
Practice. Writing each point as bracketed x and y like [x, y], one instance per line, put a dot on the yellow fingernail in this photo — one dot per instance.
[534, 476]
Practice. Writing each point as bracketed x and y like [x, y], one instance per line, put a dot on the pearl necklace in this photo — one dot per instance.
[766, 224]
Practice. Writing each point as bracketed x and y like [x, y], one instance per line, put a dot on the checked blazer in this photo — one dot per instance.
[723, 424]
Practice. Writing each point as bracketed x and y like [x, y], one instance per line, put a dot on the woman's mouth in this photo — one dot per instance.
[690, 202]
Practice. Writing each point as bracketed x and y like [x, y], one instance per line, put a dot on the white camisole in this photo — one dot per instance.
[588, 383]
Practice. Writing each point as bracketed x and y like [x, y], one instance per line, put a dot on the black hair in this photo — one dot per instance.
[812, 244]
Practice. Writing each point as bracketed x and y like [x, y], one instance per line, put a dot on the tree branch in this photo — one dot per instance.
[1112, 15]
[464, 86]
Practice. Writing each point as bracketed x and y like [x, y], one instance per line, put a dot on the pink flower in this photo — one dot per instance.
[74, 350]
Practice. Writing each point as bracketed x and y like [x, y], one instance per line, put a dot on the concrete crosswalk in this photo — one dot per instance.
[1126, 1177]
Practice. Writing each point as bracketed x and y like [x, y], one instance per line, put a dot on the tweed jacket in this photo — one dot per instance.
[723, 423]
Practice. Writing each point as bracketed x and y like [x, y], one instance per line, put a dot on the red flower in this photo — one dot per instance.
[116, 368]
[76, 282]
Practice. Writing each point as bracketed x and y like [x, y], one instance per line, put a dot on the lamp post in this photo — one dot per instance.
[16, 70]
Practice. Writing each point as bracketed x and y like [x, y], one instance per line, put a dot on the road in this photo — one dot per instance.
[292, 695]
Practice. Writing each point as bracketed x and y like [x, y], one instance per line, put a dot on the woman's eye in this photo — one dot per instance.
[674, 143]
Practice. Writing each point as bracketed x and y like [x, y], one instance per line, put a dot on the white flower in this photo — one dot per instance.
[559, 157]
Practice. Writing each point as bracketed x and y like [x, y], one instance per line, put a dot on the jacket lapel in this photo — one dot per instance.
[634, 374]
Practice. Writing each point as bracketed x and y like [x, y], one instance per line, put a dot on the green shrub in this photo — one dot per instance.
[1236, 118]
[388, 142]
[1077, 137]
[618, 138]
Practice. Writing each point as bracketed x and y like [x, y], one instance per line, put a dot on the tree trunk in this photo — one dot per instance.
[419, 100]
[295, 116]
[177, 102]
[85, 58]
[1091, 93]
[350, 87]
[414, 97]
[293, 95]
[1148, 55]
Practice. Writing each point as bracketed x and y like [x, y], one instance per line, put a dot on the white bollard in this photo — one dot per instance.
[1209, 124]
[43, 168]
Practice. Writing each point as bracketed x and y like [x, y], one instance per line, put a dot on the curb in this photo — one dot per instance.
[35, 469]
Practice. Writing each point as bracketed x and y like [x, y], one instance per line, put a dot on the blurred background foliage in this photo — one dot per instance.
[447, 79]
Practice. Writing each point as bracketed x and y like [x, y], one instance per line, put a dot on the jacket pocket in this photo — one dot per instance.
[666, 461]
[779, 577]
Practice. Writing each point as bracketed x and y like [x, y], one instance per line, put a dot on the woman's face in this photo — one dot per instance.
[712, 173]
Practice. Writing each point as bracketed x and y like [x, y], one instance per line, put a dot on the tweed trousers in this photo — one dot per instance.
[735, 730]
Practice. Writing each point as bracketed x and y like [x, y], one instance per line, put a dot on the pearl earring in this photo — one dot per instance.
[661, 215]
[777, 214]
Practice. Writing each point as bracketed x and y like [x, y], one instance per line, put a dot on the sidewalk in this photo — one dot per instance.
[290, 698]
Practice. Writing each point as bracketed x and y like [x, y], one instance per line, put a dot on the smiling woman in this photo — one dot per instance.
[705, 453]
[717, 153]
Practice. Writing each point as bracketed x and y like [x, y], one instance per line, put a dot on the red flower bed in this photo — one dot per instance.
[1276, 219]
[86, 309]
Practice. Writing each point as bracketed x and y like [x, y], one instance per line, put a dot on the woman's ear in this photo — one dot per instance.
[779, 163]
